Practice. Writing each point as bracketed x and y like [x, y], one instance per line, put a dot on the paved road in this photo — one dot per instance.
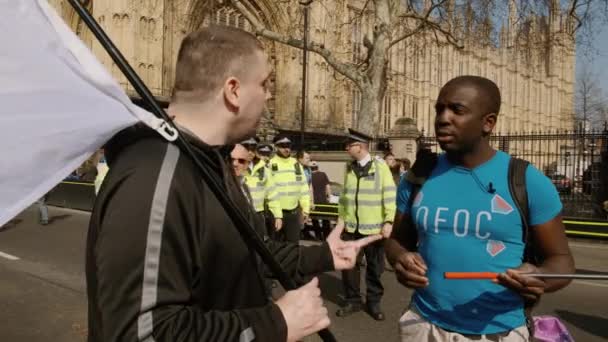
[43, 297]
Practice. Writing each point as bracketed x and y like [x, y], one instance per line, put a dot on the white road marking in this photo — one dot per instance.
[8, 256]
[589, 283]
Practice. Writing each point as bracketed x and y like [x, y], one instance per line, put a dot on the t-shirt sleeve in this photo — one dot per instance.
[543, 199]
[403, 194]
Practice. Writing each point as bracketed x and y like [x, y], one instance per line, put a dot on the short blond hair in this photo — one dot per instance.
[210, 55]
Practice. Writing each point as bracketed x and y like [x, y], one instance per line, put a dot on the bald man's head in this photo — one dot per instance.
[488, 93]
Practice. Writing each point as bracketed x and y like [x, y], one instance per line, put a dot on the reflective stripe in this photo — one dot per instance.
[253, 189]
[389, 188]
[296, 193]
[362, 192]
[390, 198]
[247, 335]
[284, 171]
[149, 297]
[258, 205]
[365, 226]
[370, 203]
[287, 183]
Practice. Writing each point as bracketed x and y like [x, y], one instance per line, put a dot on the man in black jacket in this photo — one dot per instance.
[164, 261]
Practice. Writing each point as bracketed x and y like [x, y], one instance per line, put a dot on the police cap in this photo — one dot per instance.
[355, 136]
[264, 149]
[281, 139]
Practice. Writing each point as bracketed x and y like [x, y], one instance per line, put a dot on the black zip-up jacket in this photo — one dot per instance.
[164, 261]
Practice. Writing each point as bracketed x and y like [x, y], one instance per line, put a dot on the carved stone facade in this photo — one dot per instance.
[536, 80]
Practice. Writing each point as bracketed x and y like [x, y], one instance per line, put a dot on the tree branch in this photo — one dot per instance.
[415, 31]
[346, 69]
[425, 22]
[572, 13]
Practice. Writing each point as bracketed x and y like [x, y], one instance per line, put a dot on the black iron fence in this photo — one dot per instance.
[576, 162]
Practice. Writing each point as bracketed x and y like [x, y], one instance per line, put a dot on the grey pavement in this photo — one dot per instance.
[43, 297]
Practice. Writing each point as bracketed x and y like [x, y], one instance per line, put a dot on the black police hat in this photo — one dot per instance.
[251, 141]
[264, 148]
[281, 139]
[355, 136]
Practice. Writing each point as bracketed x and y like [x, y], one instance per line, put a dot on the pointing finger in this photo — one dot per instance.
[367, 240]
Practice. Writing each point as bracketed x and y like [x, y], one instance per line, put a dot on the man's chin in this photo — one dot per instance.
[448, 147]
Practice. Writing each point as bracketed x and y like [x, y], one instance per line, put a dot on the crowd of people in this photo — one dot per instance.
[165, 261]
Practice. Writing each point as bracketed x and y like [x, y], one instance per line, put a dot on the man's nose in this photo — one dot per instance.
[443, 117]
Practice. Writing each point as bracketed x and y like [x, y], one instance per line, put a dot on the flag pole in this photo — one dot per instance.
[244, 227]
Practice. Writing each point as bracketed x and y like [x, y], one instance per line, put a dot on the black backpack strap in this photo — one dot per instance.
[519, 193]
[417, 175]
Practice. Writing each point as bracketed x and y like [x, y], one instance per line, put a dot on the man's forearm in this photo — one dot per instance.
[402, 240]
[557, 264]
[393, 250]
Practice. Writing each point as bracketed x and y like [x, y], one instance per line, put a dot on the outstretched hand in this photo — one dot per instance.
[345, 253]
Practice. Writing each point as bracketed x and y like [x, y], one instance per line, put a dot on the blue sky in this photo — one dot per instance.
[598, 61]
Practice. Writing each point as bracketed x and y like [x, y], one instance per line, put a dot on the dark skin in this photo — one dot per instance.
[464, 122]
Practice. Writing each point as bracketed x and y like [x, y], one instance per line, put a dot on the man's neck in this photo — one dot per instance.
[211, 132]
[364, 158]
[473, 158]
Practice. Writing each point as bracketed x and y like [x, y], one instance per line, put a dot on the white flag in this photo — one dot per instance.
[58, 104]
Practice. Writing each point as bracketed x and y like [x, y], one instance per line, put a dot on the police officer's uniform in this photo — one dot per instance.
[368, 201]
[294, 196]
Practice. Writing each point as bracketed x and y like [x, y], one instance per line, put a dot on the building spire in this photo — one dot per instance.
[512, 23]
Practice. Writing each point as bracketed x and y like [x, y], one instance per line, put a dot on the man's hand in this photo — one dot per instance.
[343, 252]
[303, 311]
[387, 229]
[410, 270]
[528, 287]
[278, 224]
[304, 218]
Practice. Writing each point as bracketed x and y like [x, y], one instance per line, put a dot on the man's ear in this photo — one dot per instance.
[489, 122]
[232, 91]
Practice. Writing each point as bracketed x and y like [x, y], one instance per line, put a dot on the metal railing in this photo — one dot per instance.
[575, 161]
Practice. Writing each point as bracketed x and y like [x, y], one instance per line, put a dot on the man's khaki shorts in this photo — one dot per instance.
[414, 328]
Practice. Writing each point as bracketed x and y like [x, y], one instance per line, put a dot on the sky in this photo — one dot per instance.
[598, 61]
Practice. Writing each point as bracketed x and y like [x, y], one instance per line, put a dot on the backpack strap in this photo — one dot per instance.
[519, 193]
[417, 175]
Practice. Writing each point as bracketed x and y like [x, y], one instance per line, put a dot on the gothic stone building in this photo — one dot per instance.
[535, 74]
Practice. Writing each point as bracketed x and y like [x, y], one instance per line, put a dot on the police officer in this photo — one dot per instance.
[292, 186]
[264, 151]
[261, 187]
[251, 145]
[367, 207]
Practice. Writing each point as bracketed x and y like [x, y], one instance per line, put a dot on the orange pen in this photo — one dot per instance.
[470, 275]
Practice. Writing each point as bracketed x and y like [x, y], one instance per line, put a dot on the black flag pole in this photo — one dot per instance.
[244, 227]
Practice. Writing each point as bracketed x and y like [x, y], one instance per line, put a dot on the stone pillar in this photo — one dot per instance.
[403, 138]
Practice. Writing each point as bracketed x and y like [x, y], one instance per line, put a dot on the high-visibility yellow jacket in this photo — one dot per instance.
[368, 199]
[290, 181]
[263, 190]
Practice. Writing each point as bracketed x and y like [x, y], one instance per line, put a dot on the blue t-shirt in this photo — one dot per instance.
[464, 227]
